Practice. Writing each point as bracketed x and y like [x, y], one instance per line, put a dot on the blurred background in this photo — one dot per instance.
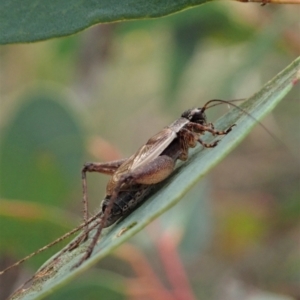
[98, 96]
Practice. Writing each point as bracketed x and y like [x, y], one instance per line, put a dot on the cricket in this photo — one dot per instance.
[132, 179]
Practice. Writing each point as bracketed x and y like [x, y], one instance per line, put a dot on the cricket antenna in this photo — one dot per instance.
[229, 102]
[52, 243]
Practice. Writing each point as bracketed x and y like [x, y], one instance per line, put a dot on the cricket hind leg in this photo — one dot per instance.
[153, 172]
[108, 168]
[95, 238]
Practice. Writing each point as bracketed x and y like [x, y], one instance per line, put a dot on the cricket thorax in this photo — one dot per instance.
[178, 124]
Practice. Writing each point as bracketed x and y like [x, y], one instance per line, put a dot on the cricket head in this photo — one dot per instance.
[195, 115]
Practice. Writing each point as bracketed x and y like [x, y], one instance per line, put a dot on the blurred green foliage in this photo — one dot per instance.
[41, 151]
[45, 141]
[113, 86]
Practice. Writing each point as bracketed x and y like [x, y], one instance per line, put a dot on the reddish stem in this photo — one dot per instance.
[167, 247]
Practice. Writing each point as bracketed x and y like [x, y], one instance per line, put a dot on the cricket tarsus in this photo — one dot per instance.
[91, 246]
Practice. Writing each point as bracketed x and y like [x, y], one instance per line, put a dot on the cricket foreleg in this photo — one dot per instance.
[189, 139]
[195, 127]
[211, 145]
[221, 132]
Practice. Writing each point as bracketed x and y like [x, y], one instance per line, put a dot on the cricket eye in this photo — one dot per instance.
[199, 117]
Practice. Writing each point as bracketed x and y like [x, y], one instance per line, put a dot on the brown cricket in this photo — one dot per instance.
[133, 178]
[151, 164]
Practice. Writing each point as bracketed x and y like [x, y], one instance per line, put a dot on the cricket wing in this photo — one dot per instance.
[153, 148]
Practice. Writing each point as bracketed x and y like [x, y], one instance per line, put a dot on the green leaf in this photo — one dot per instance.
[44, 222]
[28, 21]
[40, 155]
[42, 147]
[186, 175]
